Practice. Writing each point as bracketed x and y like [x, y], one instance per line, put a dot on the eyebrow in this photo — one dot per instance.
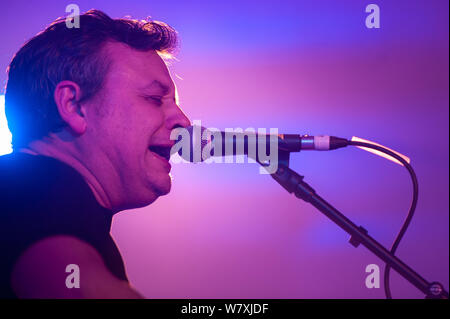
[155, 84]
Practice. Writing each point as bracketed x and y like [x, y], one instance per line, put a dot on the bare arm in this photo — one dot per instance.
[40, 272]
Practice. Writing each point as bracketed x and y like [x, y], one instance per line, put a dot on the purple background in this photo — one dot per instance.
[225, 231]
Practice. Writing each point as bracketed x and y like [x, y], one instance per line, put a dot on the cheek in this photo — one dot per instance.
[110, 132]
[145, 118]
[130, 121]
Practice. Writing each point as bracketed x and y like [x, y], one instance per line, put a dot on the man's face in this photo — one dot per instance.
[130, 126]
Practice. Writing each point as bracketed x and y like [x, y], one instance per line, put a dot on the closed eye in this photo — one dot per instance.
[155, 99]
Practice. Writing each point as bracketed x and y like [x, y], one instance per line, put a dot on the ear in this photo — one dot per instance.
[67, 94]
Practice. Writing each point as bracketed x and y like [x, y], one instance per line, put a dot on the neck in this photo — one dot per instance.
[67, 156]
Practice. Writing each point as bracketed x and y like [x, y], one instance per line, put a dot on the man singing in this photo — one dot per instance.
[91, 110]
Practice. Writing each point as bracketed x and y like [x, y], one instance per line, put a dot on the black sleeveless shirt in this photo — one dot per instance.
[42, 197]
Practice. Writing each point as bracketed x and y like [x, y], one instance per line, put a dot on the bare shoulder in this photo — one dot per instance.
[66, 267]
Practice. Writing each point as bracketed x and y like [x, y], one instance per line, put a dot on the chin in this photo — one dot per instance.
[164, 189]
[157, 190]
[150, 193]
[163, 185]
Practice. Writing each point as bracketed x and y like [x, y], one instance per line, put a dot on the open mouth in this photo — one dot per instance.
[161, 150]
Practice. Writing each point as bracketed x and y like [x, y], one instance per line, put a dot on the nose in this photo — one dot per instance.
[176, 118]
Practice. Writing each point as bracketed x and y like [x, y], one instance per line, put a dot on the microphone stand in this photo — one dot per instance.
[294, 183]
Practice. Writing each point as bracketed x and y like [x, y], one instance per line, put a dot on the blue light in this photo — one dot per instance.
[5, 134]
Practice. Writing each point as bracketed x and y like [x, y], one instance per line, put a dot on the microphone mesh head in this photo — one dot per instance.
[191, 143]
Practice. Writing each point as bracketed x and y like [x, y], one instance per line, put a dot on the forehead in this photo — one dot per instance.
[131, 67]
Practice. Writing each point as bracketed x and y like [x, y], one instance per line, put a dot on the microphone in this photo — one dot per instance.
[195, 143]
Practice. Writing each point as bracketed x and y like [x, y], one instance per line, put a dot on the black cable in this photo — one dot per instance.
[412, 208]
